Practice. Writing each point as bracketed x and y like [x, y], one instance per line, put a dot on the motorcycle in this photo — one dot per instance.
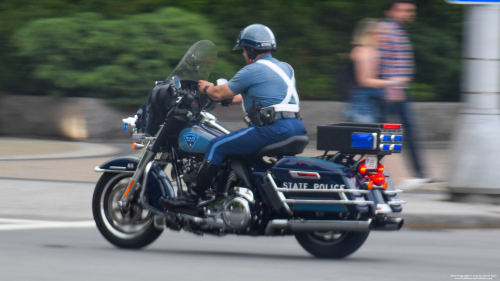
[330, 202]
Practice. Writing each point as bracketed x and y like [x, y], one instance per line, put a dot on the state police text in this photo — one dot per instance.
[305, 185]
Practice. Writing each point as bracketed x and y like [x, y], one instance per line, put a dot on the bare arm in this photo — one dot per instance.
[216, 93]
[365, 69]
[237, 99]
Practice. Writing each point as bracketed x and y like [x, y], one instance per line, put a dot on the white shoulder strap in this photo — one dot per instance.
[291, 91]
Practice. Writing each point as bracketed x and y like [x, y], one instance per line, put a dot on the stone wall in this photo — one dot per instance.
[92, 119]
[63, 118]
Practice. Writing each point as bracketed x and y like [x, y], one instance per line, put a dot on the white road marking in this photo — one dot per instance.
[19, 224]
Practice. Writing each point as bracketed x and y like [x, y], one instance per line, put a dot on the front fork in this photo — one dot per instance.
[124, 202]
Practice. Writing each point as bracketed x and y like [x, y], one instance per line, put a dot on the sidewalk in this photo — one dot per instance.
[72, 162]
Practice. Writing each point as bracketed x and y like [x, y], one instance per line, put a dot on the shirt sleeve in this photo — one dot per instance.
[241, 81]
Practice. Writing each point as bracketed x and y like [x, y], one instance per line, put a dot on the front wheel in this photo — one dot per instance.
[133, 229]
[331, 245]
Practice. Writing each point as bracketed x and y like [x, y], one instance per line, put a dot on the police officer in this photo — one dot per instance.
[264, 83]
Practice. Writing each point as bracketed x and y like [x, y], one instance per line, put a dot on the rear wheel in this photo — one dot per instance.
[133, 229]
[331, 245]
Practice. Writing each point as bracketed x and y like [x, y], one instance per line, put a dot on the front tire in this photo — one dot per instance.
[132, 230]
[331, 245]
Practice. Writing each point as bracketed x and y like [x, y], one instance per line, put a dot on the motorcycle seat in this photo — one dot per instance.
[289, 147]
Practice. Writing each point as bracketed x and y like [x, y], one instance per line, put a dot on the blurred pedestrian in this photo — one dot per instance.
[397, 64]
[365, 102]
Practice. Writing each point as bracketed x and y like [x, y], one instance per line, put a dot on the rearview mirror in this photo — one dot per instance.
[177, 82]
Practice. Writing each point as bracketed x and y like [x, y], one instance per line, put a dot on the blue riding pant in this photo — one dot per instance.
[250, 140]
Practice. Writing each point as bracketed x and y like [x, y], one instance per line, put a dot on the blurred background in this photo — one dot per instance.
[115, 49]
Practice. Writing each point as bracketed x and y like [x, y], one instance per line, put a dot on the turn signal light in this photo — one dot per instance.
[369, 185]
[362, 169]
[136, 145]
[385, 185]
[380, 168]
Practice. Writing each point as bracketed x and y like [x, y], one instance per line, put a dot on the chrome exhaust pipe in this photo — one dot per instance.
[282, 227]
[389, 224]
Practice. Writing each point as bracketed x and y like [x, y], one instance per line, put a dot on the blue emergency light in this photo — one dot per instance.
[398, 138]
[398, 147]
[386, 138]
[385, 147]
[362, 140]
[125, 126]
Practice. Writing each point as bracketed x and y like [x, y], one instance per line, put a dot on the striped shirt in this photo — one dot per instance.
[396, 53]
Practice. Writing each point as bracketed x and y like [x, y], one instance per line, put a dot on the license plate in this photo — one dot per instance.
[371, 162]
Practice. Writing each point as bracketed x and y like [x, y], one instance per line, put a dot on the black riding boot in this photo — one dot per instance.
[188, 203]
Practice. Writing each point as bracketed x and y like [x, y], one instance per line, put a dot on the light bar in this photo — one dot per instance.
[391, 126]
[362, 140]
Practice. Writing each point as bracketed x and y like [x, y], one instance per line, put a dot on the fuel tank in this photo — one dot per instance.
[194, 138]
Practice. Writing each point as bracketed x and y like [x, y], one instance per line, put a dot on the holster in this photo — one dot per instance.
[269, 115]
[259, 116]
[254, 116]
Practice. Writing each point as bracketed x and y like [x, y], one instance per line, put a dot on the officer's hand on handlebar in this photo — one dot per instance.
[204, 85]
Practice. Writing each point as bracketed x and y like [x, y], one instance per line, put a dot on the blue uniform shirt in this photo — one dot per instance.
[260, 83]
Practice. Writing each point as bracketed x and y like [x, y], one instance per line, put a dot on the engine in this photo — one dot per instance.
[190, 169]
[236, 210]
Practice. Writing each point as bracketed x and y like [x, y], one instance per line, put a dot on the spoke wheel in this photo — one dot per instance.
[131, 228]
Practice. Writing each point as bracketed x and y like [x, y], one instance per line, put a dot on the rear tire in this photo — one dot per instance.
[134, 230]
[331, 245]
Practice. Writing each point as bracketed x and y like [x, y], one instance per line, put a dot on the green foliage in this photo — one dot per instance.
[116, 48]
[87, 55]
[422, 92]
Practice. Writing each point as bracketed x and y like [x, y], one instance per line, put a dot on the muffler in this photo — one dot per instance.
[282, 227]
[388, 224]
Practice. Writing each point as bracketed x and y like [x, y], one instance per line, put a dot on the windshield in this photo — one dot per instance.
[197, 63]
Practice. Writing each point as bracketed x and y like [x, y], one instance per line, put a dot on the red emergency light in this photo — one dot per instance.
[391, 126]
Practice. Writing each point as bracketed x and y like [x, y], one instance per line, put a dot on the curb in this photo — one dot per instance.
[450, 222]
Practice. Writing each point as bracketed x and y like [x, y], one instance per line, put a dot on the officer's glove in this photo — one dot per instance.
[226, 102]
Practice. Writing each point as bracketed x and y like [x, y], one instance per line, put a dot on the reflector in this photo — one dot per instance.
[307, 175]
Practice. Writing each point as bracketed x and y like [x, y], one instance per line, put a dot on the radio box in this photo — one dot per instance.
[361, 138]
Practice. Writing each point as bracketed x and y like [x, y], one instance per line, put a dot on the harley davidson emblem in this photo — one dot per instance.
[191, 139]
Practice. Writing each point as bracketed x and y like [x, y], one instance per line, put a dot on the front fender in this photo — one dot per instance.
[123, 164]
[158, 183]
